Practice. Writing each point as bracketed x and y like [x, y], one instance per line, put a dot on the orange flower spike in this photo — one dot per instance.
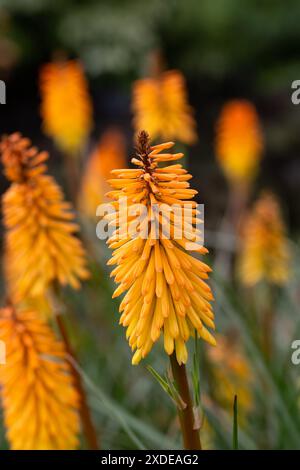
[161, 106]
[175, 300]
[40, 242]
[239, 142]
[264, 247]
[39, 400]
[108, 155]
[66, 107]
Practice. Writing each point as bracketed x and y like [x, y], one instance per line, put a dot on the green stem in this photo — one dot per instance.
[190, 435]
[235, 424]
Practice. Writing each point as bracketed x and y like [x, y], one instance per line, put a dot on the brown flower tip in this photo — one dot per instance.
[21, 161]
[143, 148]
[143, 143]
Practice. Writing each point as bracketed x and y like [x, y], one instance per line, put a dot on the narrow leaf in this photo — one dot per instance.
[235, 424]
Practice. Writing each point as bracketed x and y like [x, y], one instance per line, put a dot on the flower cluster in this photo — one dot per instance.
[239, 141]
[38, 396]
[41, 246]
[66, 106]
[264, 247]
[160, 105]
[166, 288]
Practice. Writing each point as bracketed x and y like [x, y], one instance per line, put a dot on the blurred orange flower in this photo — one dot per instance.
[160, 105]
[239, 142]
[109, 154]
[232, 375]
[40, 243]
[264, 246]
[66, 106]
[166, 288]
[39, 400]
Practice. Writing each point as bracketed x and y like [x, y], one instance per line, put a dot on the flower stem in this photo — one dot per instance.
[87, 423]
[72, 174]
[237, 202]
[268, 320]
[190, 435]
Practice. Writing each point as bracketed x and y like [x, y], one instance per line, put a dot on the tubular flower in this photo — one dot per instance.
[161, 106]
[166, 289]
[39, 400]
[231, 369]
[239, 141]
[264, 250]
[108, 155]
[66, 106]
[40, 243]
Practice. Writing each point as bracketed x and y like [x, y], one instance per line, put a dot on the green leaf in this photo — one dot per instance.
[169, 387]
[162, 382]
[196, 372]
[132, 425]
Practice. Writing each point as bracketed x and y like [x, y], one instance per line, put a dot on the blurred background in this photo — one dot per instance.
[226, 50]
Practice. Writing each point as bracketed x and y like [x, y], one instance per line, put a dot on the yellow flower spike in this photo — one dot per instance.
[108, 155]
[239, 141]
[264, 252]
[160, 105]
[166, 294]
[40, 242]
[39, 400]
[66, 107]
